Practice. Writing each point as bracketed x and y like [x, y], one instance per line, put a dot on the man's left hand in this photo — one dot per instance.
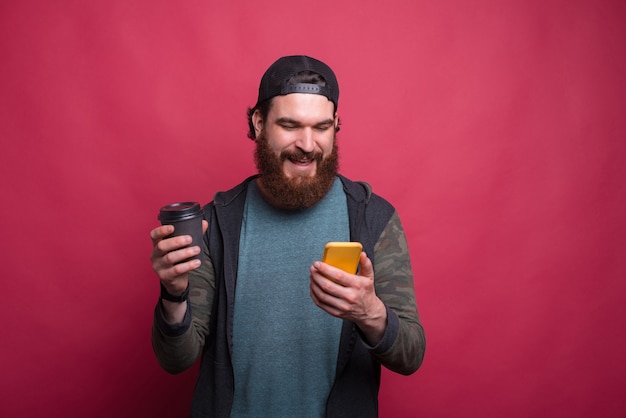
[350, 296]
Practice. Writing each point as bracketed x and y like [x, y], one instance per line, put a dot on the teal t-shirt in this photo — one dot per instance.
[284, 346]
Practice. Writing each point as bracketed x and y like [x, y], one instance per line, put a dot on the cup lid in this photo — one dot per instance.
[180, 211]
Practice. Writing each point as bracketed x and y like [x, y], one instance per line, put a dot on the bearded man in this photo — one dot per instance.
[280, 333]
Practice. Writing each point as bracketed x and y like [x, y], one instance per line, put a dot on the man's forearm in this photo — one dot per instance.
[174, 312]
[394, 286]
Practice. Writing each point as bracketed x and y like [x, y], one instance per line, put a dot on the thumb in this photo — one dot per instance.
[365, 266]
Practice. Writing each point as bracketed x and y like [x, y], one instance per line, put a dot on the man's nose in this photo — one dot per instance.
[306, 141]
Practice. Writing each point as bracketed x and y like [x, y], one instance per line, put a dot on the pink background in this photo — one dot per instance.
[496, 127]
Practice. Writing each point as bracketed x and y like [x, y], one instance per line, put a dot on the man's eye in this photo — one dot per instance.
[323, 128]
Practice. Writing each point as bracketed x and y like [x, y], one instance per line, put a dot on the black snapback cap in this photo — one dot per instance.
[274, 81]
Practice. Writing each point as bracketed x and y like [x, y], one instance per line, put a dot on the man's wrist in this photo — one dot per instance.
[165, 295]
[373, 329]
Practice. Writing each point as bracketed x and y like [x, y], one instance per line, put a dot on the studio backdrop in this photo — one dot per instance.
[496, 128]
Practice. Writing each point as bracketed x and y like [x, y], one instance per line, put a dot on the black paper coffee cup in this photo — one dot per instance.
[186, 218]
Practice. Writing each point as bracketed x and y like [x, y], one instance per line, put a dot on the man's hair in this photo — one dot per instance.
[306, 77]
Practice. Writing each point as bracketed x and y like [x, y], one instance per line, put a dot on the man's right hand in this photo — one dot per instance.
[166, 253]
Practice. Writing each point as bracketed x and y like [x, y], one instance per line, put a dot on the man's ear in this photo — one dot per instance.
[257, 122]
[337, 122]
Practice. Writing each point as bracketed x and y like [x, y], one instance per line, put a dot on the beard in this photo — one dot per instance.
[298, 192]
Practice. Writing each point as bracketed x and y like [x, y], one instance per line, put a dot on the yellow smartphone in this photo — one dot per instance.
[343, 255]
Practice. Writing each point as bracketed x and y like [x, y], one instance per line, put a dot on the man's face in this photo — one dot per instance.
[296, 152]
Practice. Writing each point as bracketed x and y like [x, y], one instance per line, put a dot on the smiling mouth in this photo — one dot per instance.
[301, 160]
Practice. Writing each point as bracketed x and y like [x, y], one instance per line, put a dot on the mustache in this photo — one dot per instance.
[299, 155]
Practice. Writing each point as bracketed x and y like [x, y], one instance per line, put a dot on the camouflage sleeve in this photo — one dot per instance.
[177, 347]
[394, 286]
